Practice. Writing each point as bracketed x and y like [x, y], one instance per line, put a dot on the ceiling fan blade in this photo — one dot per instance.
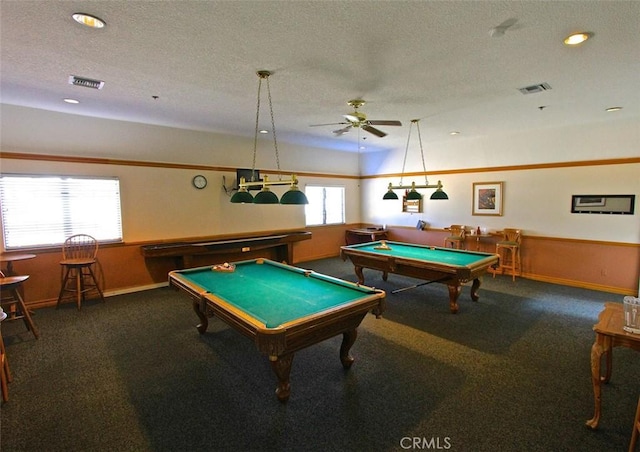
[383, 122]
[508, 23]
[329, 124]
[341, 131]
[374, 131]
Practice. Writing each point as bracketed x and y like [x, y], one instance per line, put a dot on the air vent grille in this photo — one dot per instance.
[86, 82]
[535, 88]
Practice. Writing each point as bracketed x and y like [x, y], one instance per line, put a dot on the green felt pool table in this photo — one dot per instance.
[434, 264]
[280, 307]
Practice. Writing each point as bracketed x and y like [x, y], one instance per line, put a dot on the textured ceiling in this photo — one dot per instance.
[435, 61]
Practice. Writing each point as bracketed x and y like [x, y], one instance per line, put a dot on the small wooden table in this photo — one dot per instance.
[609, 334]
[355, 236]
[478, 237]
[10, 258]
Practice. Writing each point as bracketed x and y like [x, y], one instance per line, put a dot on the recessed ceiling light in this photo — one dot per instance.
[577, 38]
[614, 109]
[71, 101]
[454, 132]
[264, 131]
[88, 20]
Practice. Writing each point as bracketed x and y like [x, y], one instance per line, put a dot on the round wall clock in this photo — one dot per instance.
[199, 181]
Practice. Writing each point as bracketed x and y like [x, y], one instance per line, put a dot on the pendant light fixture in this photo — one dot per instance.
[412, 194]
[266, 196]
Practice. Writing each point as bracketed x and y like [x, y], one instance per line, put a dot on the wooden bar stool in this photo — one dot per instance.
[456, 237]
[78, 258]
[11, 301]
[509, 251]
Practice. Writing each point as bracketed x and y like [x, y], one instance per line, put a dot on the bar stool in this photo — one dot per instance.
[509, 251]
[5, 373]
[12, 301]
[78, 257]
[456, 237]
[636, 429]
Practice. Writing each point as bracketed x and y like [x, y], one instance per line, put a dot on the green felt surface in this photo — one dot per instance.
[273, 294]
[424, 253]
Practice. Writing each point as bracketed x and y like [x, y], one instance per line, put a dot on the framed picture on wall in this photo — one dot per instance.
[487, 198]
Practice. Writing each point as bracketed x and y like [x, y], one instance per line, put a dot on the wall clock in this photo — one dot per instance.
[199, 181]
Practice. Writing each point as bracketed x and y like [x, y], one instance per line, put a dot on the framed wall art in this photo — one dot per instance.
[487, 198]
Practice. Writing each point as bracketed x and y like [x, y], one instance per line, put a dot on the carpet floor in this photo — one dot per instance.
[510, 372]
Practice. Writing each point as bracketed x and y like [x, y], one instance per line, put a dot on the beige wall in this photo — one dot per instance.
[155, 166]
[537, 200]
[160, 203]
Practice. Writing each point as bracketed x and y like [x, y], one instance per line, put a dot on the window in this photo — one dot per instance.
[326, 205]
[45, 210]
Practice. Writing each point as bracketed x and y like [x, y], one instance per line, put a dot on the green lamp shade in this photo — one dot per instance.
[439, 194]
[265, 196]
[294, 196]
[413, 196]
[242, 197]
[390, 195]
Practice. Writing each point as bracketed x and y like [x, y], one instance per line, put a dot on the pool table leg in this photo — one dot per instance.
[474, 289]
[454, 293]
[348, 339]
[281, 365]
[204, 322]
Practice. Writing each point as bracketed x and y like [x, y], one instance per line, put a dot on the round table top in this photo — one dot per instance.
[15, 257]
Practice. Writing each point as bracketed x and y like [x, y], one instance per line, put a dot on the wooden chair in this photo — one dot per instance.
[636, 429]
[79, 254]
[5, 373]
[509, 251]
[456, 237]
[12, 302]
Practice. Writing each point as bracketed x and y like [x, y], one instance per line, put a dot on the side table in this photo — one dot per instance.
[609, 334]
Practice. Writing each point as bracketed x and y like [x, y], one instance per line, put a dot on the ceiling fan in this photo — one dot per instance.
[358, 119]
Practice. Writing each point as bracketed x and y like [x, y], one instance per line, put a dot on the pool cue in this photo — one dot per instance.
[417, 285]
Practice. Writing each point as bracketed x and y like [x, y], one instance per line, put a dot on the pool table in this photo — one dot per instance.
[433, 264]
[280, 307]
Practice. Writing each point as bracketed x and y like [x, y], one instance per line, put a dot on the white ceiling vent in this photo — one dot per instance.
[86, 82]
[535, 88]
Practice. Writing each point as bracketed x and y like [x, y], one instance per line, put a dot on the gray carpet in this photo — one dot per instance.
[510, 373]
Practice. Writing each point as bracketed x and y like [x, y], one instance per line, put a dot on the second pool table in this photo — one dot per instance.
[434, 264]
[280, 307]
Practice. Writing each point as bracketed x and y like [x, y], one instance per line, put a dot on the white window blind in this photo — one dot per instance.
[326, 205]
[44, 210]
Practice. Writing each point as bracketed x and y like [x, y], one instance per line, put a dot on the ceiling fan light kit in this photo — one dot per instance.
[292, 197]
[413, 194]
[358, 119]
